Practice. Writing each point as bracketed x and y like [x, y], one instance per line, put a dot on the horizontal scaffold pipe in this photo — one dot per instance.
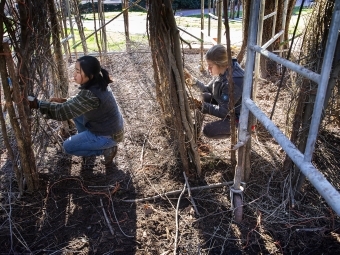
[289, 64]
[326, 190]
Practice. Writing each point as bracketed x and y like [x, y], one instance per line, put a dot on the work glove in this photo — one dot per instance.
[57, 100]
[195, 103]
[33, 102]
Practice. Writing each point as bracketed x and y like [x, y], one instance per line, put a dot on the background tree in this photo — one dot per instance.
[101, 17]
[267, 66]
[245, 23]
[125, 4]
[61, 84]
[76, 14]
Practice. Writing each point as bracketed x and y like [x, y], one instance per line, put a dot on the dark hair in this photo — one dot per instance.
[92, 69]
[218, 55]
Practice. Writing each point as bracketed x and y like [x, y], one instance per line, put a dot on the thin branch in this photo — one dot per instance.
[179, 199]
[114, 214]
[106, 218]
[175, 192]
[189, 192]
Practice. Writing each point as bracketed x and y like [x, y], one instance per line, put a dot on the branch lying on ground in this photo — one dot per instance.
[106, 218]
[175, 192]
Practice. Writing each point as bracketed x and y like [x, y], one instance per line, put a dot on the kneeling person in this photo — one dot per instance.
[94, 110]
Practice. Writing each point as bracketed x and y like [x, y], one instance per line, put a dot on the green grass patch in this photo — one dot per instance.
[111, 15]
[139, 38]
[195, 22]
[115, 41]
[207, 16]
[303, 12]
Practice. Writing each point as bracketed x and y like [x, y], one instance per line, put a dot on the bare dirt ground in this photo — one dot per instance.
[83, 208]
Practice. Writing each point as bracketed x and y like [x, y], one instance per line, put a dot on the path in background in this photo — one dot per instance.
[137, 25]
[235, 34]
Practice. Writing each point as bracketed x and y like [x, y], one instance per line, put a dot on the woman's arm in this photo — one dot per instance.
[215, 110]
[83, 102]
[202, 87]
[221, 96]
[193, 81]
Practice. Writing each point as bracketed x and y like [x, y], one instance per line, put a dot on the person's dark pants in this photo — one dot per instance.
[217, 129]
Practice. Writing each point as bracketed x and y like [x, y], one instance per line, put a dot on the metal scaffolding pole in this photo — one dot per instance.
[322, 88]
[326, 190]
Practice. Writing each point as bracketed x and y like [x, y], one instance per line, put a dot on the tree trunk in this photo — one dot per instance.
[125, 4]
[79, 25]
[63, 14]
[7, 88]
[61, 81]
[17, 171]
[245, 24]
[62, 86]
[19, 122]
[231, 9]
[95, 29]
[33, 45]
[267, 66]
[238, 8]
[101, 18]
[168, 72]
[68, 7]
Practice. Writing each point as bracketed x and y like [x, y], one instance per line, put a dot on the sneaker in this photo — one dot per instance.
[109, 155]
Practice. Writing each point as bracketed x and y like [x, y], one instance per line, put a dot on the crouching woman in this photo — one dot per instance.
[94, 109]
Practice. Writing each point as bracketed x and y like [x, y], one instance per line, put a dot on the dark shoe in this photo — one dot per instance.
[89, 160]
[109, 155]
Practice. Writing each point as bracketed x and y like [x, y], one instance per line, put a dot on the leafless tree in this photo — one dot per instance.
[169, 78]
[27, 60]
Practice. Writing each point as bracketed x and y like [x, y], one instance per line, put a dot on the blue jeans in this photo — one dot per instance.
[86, 143]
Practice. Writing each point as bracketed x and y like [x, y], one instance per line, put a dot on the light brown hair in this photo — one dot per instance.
[218, 55]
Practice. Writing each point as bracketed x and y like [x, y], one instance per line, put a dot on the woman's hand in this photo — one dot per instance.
[195, 103]
[33, 102]
[188, 77]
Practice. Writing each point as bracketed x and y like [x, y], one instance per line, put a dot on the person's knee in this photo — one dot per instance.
[67, 145]
[206, 133]
[209, 133]
[212, 134]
